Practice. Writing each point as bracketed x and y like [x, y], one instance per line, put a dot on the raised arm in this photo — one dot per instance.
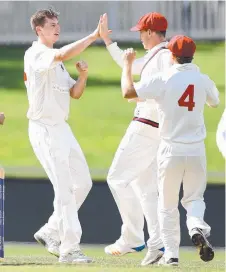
[115, 52]
[73, 49]
[147, 88]
[48, 58]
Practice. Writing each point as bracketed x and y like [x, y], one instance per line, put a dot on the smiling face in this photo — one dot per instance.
[50, 31]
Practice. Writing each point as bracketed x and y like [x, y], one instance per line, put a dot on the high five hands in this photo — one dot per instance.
[102, 30]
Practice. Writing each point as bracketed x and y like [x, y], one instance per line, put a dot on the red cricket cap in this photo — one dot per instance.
[153, 21]
[182, 46]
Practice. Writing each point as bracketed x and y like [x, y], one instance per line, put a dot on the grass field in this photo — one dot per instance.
[26, 258]
[99, 119]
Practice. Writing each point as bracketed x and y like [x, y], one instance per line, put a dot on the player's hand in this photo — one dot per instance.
[129, 55]
[82, 67]
[103, 27]
[96, 32]
[2, 118]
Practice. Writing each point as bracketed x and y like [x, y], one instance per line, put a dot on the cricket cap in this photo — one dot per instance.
[182, 46]
[153, 21]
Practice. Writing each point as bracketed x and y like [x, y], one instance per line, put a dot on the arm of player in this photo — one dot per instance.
[127, 87]
[212, 97]
[2, 118]
[77, 90]
[115, 52]
[71, 50]
[150, 88]
[48, 58]
[137, 99]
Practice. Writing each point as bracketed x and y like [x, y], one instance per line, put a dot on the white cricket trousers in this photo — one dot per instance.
[63, 160]
[172, 171]
[132, 179]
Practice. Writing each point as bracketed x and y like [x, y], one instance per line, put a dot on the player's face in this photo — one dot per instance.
[145, 37]
[50, 31]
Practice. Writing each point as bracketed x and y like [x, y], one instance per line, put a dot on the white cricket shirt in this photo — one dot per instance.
[181, 122]
[159, 63]
[48, 85]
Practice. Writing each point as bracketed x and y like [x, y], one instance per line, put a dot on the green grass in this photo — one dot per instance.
[25, 258]
[99, 119]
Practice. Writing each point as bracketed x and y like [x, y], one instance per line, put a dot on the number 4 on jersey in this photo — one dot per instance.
[190, 104]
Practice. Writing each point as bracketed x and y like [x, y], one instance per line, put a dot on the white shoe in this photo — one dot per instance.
[170, 262]
[119, 250]
[152, 257]
[75, 257]
[48, 242]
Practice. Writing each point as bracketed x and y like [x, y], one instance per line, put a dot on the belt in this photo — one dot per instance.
[146, 121]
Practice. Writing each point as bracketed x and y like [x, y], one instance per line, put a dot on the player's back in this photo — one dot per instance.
[181, 108]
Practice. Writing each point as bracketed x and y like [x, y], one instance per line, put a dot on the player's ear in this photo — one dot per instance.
[38, 29]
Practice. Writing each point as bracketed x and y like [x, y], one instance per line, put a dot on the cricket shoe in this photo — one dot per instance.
[169, 262]
[48, 242]
[152, 256]
[75, 257]
[206, 251]
[119, 250]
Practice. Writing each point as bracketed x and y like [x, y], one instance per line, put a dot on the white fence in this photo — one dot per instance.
[198, 19]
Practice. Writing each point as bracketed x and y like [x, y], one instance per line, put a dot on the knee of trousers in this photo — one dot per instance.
[85, 185]
[115, 179]
[88, 185]
[113, 183]
[167, 205]
[168, 201]
[64, 197]
[149, 197]
[110, 178]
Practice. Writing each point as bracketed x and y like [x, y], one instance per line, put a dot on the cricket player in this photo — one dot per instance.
[49, 88]
[2, 118]
[132, 177]
[181, 94]
[221, 134]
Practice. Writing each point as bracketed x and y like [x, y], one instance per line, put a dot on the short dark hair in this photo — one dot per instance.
[161, 33]
[182, 60]
[39, 18]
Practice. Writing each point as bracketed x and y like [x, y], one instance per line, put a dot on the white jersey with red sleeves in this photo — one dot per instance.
[160, 60]
[48, 85]
[181, 94]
